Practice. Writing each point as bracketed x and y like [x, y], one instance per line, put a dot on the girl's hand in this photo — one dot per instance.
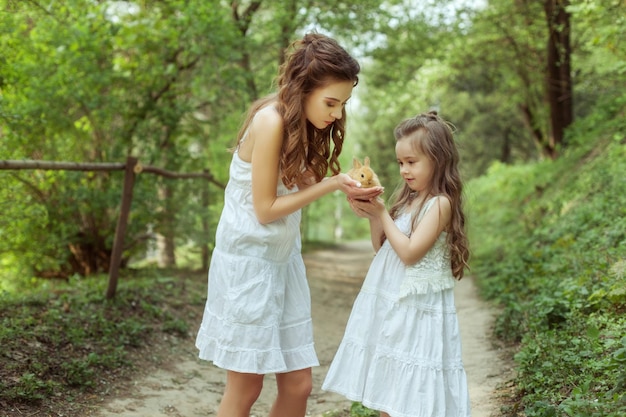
[353, 188]
[369, 209]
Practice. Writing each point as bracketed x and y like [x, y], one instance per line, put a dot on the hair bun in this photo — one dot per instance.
[429, 116]
[311, 38]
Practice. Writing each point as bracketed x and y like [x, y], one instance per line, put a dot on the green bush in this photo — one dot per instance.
[549, 246]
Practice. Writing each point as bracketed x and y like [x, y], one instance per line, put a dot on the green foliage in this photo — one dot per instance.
[95, 82]
[582, 361]
[549, 246]
[66, 338]
[604, 54]
[483, 68]
[166, 82]
[359, 410]
[169, 81]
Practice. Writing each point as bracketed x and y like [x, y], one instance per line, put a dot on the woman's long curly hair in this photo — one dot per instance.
[311, 63]
[433, 136]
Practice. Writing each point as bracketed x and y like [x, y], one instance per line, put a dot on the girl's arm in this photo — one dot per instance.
[266, 136]
[376, 232]
[412, 249]
[409, 249]
[365, 209]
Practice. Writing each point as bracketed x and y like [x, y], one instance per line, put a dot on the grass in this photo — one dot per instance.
[66, 349]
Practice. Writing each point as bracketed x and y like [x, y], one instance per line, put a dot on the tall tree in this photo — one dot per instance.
[524, 47]
[558, 74]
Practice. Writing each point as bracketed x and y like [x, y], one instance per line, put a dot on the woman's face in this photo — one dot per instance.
[325, 104]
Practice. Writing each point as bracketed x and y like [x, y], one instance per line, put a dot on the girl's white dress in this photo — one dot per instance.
[257, 317]
[401, 352]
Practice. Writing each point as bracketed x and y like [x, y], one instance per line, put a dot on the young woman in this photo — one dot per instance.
[257, 318]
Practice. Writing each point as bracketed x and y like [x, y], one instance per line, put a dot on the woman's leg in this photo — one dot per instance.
[241, 391]
[294, 389]
[383, 414]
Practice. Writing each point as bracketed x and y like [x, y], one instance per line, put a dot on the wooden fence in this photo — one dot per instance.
[132, 167]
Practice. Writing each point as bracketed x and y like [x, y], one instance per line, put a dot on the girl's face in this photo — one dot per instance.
[415, 167]
[325, 104]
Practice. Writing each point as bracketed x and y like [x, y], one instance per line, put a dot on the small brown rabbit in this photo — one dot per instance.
[363, 173]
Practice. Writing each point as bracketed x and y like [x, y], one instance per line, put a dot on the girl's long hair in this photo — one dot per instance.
[433, 136]
[311, 63]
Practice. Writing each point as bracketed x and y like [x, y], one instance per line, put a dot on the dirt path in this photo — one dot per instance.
[187, 387]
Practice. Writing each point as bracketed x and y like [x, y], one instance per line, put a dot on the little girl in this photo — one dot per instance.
[401, 352]
[257, 318]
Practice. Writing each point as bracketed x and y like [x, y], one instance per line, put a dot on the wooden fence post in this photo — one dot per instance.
[122, 222]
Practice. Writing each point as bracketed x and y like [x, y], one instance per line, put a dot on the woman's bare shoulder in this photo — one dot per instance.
[267, 118]
[265, 133]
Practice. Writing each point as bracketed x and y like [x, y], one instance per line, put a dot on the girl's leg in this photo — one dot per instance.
[383, 414]
[241, 391]
[294, 389]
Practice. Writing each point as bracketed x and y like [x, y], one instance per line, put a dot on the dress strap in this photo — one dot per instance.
[242, 140]
[427, 207]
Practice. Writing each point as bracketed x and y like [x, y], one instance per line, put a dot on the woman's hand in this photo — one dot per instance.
[353, 189]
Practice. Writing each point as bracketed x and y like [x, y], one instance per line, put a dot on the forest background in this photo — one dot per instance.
[534, 87]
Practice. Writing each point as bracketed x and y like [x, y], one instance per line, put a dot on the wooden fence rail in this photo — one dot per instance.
[103, 166]
[131, 168]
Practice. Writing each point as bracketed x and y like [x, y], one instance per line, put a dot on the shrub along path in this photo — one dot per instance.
[186, 387]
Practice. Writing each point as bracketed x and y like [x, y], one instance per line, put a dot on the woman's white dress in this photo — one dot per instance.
[257, 317]
[401, 352]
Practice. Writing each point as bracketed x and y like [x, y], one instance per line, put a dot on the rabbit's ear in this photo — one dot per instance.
[356, 163]
[367, 161]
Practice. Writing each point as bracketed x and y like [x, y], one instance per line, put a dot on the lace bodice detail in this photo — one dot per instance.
[433, 272]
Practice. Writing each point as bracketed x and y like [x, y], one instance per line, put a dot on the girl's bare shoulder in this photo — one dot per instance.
[443, 202]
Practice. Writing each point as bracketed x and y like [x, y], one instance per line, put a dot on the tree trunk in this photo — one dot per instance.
[206, 231]
[243, 19]
[505, 151]
[558, 74]
[167, 229]
[529, 120]
[287, 29]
